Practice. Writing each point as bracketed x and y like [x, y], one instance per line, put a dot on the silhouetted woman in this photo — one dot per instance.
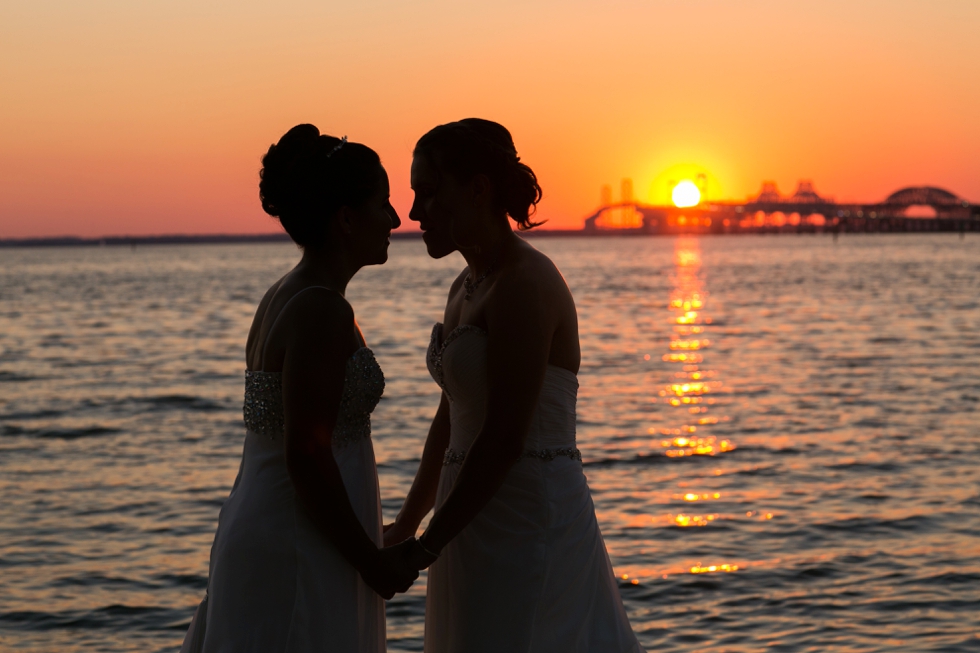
[517, 560]
[296, 564]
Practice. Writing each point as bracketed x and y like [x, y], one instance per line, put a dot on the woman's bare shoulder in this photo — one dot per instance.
[262, 310]
[267, 298]
[534, 270]
[294, 313]
[314, 307]
[293, 305]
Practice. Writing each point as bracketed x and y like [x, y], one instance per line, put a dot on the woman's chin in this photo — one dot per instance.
[380, 257]
[435, 246]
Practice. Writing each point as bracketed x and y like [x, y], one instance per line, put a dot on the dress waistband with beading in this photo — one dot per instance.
[453, 456]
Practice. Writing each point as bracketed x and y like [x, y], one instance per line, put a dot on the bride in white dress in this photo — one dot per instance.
[296, 564]
[517, 559]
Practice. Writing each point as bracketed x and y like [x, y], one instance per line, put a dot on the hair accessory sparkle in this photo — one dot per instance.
[343, 141]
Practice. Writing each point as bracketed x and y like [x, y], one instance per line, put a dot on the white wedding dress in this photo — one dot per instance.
[276, 583]
[530, 573]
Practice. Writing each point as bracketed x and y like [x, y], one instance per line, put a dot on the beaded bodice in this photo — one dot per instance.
[364, 383]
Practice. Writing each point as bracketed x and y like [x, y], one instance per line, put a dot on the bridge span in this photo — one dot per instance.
[912, 209]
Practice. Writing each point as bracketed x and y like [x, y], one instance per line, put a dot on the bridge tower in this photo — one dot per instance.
[701, 181]
[626, 191]
[769, 193]
[605, 195]
[628, 217]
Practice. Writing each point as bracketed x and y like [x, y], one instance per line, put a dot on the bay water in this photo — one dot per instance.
[781, 433]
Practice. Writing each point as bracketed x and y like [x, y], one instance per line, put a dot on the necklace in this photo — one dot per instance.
[471, 286]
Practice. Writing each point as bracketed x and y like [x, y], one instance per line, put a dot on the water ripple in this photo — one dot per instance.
[780, 433]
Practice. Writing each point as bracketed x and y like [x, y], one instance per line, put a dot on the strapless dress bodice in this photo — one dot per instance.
[458, 363]
[530, 571]
[364, 383]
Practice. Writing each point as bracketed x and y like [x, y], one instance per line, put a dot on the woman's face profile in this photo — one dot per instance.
[372, 225]
[437, 201]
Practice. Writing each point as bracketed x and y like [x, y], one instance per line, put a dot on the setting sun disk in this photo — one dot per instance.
[686, 194]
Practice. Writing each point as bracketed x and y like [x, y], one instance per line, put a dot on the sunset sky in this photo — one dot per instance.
[149, 117]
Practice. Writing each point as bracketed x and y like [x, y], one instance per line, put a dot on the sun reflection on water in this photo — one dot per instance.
[691, 385]
[691, 496]
[694, 520]
[698, 569]
[694, 395]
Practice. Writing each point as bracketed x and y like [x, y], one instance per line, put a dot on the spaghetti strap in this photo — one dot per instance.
[283, 310]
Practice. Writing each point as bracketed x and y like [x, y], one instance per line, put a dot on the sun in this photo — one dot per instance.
[685, 194]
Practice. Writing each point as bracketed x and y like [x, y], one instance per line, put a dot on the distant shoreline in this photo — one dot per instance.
[210, 239]
[230, 239]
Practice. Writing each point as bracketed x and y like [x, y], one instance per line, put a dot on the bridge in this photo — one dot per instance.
[920, 208]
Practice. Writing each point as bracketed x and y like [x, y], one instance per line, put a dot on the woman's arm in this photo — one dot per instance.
[313, 379]
[422, 496]
[520, 328]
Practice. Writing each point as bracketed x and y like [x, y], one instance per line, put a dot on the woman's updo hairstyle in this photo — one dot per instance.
[307, 177]
[474, 146]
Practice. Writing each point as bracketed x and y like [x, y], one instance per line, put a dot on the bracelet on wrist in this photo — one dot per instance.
[425, 549]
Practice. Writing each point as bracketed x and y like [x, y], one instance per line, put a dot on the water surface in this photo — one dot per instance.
[780, 433]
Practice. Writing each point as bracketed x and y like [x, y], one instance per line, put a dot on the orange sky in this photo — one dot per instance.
[150, 117]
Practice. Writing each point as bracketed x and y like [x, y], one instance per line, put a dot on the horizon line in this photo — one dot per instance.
[212, 238]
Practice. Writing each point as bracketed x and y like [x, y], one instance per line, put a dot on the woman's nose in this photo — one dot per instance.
[415, 213]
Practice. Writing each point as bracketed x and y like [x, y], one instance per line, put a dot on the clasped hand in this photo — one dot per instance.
[392, 572]
[398, 532]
